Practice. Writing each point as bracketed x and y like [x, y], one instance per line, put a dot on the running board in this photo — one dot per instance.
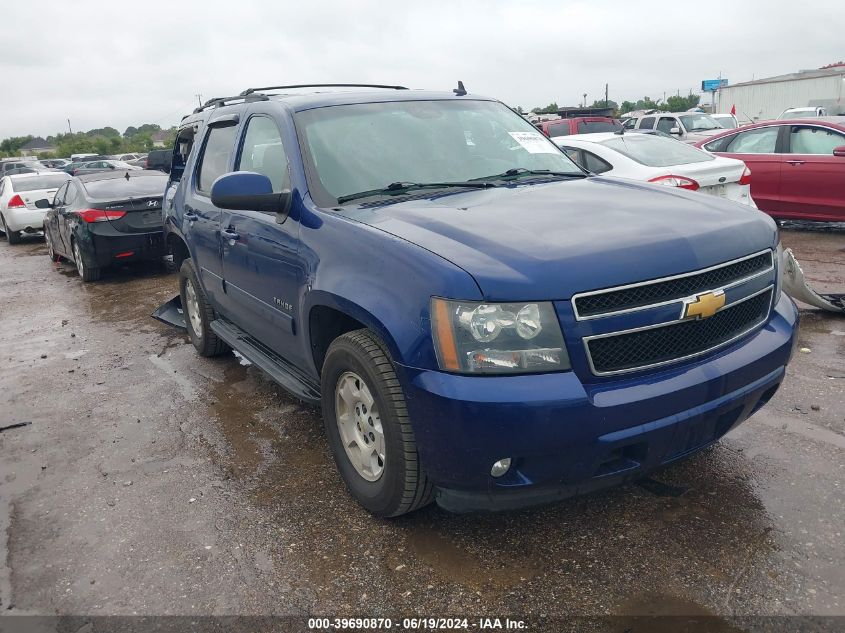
[280, 370]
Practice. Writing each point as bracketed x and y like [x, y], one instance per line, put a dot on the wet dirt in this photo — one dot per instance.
[151, 480]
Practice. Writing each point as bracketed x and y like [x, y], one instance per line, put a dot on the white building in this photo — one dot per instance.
[763, 99]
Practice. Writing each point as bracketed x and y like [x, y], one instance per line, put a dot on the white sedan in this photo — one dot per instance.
[663, 161]
[18, 195]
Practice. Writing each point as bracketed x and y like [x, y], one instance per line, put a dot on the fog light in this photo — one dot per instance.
[501, 467]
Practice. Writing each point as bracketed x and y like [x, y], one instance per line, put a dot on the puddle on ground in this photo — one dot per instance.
[662, 613]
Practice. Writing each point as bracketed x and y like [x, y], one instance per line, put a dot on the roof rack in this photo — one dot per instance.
[250, 91]
[217, 102]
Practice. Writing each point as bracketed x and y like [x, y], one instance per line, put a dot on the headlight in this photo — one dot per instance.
[497, 338]
[778, 272]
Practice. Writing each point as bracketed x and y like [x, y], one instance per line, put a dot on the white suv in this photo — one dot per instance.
[689, 127]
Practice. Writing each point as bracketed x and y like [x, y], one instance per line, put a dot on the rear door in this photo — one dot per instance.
[759, 149]
[69, 196]
[200, 218]
[646, 123]
[260, 250]
[813, 179]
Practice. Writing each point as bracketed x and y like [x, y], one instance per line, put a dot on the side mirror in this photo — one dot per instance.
[246, 190]
[675, 130]
[839, 151]
[43, 204]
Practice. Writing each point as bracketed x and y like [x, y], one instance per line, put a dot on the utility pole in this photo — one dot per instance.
[585, 99]
[68, 127]
[606, 100]
[199, 99]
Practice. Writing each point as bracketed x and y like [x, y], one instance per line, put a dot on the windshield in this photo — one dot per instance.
[362, 147]
[726, 122]
[799, 114]
[35, 183]
[698, 122]
[133, 187]
[654, 151]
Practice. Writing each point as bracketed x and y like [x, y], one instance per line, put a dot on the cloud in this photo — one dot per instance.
[101, 62]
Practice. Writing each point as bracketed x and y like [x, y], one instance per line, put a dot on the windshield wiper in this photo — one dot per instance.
[516, 172]
[396, 188]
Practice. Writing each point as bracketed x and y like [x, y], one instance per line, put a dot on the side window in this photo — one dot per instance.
[574, 155]
[262, 152]
[814, 140]
[559, 129]
[630, 124]
[666, 123]
[2, 185]
[595, 164]
[646, 123]
[757, 141]
[58, 200]
[71, 194]
[215, 157]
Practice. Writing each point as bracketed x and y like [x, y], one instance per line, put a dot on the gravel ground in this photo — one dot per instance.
[148, 480]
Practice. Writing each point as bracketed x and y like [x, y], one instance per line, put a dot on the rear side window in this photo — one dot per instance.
[559, 129]
[646, 123]
[118, 188]
[595, 164]
[263, 152]
[758, 141]
[589, 127]
[214, 161]
[39, 182]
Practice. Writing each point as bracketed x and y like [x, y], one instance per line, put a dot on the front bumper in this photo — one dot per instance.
[24, 219]
[566, 437]
[106, 246]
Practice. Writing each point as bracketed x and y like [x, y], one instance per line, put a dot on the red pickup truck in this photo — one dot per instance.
[578, 125]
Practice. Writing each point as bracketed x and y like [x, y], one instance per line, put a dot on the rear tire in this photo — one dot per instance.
[375, 450]
[198, 313]
[13, 237]
[86, 271]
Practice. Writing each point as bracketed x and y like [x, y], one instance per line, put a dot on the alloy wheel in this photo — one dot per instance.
[360, 426]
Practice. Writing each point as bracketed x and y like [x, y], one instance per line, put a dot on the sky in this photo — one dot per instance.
[117, 63]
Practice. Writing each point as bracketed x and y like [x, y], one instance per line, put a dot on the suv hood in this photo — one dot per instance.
[552, 240]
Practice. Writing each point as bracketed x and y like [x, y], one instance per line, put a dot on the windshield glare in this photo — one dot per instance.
[654, 151]
[698, 122]
[363, 147]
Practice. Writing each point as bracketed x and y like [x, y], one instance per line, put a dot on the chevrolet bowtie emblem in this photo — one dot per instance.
[704, 306]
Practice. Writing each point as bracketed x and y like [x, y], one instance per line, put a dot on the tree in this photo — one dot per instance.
[552, 108]
[130, 131]
[681, 104]
[12, 144]
[600, 103]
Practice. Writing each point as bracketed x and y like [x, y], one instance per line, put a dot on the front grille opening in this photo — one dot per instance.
[672, 289]
[656, 346]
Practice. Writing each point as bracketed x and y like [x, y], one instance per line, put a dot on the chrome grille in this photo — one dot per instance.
[653, 346]
[590, 305]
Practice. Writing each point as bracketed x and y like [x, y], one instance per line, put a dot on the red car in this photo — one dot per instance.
[797, 165]
[578, 125]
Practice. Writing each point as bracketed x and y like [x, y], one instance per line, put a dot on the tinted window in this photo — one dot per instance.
[60, 196]
[72, 194]
[666, 123]
[215, 158]
[656, 151]
[589, 127]
[559, 129]
[596, 164]
[646, 123]
[814, 140]
[263, 153]
[114, 188]
[757, 141]
[39, 182]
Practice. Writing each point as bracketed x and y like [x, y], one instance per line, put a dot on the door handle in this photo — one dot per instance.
[229, 235]
[796, 162]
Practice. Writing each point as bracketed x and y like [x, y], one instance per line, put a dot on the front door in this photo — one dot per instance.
[758, 149]
[813, 179]
[260, 250]
[200, 218]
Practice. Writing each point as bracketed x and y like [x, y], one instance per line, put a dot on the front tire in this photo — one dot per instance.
[86, 271]
[368, 427]
[198, 313]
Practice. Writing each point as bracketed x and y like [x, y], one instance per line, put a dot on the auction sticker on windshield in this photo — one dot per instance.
[534, 142]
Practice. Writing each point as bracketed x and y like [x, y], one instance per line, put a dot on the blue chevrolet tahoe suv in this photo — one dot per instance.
[483, 323]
